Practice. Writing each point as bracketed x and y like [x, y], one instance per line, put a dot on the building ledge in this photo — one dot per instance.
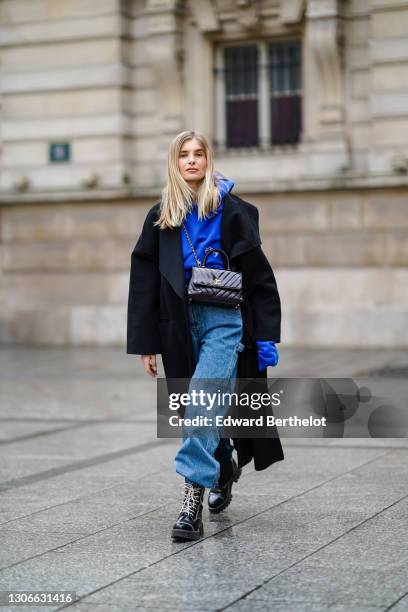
[346, 182]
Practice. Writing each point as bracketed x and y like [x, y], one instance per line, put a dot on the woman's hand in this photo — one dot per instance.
[150, 364]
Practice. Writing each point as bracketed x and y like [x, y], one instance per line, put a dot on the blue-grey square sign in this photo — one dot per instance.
[59, 152]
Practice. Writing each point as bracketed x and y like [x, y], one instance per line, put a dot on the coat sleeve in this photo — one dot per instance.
[143, 337]
[260, 289]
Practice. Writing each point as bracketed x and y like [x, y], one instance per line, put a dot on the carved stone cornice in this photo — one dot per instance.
[291, 11]
[248, 14]
[205, 16]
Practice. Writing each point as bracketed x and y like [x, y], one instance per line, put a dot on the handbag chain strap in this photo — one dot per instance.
[192, 248]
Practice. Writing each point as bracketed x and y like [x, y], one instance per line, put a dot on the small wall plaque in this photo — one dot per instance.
[59, 152]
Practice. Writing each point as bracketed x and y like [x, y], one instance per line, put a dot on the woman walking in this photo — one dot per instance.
[198, 340]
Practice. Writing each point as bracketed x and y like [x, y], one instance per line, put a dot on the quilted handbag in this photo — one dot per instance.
[213, 286]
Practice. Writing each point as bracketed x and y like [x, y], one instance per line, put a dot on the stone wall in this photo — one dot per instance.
[119, 78]
[340, 264]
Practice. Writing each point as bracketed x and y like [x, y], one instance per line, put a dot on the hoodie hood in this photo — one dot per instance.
[224, 185]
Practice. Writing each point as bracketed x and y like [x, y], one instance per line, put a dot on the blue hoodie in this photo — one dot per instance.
[206, 234]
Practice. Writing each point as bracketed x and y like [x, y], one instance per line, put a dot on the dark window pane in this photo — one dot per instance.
[284, 67]
[294, 66]
[294, 52]
[285, 91]
[241, 70]
[242, 123]
[285, 119]
[241, 89]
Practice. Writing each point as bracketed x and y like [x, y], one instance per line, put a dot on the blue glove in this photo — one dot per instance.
[267, 354]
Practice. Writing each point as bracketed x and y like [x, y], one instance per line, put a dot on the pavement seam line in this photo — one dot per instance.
[76, 499]
[198, 542]
[38, 434]
[76, 425]
[78, 465]
[394, 603]
[82, 537]
[314, 552]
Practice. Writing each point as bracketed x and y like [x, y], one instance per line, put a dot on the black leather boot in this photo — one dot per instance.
[219, 496]
[189, 525]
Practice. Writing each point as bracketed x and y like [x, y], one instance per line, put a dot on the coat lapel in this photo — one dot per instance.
[171, 260]
[238, 235]
[238, 231]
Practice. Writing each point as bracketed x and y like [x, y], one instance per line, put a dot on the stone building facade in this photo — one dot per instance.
[305, 103]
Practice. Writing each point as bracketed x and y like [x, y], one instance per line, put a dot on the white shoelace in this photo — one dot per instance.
[191, 498]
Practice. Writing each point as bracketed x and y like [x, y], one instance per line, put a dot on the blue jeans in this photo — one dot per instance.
[216, 337]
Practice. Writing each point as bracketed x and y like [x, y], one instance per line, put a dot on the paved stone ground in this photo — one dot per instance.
[88, 497]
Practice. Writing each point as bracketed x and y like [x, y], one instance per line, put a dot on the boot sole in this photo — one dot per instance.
[228, 500]
[180, 534]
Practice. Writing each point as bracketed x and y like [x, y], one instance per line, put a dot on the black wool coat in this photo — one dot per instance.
[158, 321]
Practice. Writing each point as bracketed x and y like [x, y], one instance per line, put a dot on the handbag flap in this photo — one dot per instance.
[217, 279]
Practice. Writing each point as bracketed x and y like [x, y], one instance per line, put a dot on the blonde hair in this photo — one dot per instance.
[177, 196]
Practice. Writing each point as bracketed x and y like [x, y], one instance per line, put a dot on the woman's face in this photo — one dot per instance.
[192, 163]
